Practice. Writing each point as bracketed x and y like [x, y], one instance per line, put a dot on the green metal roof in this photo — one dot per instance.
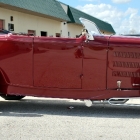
[54, 9]
[46, 7]
[75, 14]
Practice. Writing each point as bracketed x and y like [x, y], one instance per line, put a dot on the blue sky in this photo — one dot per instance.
[123, 15]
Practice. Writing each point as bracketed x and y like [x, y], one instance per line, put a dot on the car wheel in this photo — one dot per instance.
[12, 97]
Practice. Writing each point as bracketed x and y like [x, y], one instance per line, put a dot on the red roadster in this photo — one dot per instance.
[93, 67]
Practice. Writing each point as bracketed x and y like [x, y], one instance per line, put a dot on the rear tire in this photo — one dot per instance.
[12, 97]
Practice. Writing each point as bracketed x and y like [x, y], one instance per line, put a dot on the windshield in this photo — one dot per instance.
[90, 26]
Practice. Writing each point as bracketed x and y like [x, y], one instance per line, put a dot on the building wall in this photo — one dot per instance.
[64, 29]
[24, 22]
[74, 29]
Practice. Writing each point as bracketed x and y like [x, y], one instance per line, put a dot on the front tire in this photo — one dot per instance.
[12, 97]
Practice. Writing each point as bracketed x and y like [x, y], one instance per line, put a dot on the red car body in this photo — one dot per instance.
[75, 68]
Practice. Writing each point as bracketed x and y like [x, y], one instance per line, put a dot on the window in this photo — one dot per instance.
[1, 24]
[31, 32]
[11, 18]
[57, 34]
[68, 34]
[43, 33]
[10, 27]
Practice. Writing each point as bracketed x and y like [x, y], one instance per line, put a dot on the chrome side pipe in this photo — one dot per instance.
[114, 101]
[89, 103]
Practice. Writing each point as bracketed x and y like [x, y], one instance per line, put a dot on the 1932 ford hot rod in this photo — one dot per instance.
[93, 67]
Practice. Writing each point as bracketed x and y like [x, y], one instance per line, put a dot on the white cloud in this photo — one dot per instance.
[122, 21]
[120, 1]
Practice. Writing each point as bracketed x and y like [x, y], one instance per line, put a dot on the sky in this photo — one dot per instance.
[123, 15]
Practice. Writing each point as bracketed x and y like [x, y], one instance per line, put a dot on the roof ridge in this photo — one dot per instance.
[45, 7]
[89, 14]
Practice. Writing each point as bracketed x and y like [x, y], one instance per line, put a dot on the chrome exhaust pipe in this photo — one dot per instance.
[114, 101]
[123, 101]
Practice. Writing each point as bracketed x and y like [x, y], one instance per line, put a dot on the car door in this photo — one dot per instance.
[124, 63]
[16, 59]
[57, 63]
[94, 63]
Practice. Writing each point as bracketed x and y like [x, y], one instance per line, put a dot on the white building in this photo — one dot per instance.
[45, 18]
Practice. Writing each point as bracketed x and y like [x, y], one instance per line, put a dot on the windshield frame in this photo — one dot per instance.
[95, 31]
